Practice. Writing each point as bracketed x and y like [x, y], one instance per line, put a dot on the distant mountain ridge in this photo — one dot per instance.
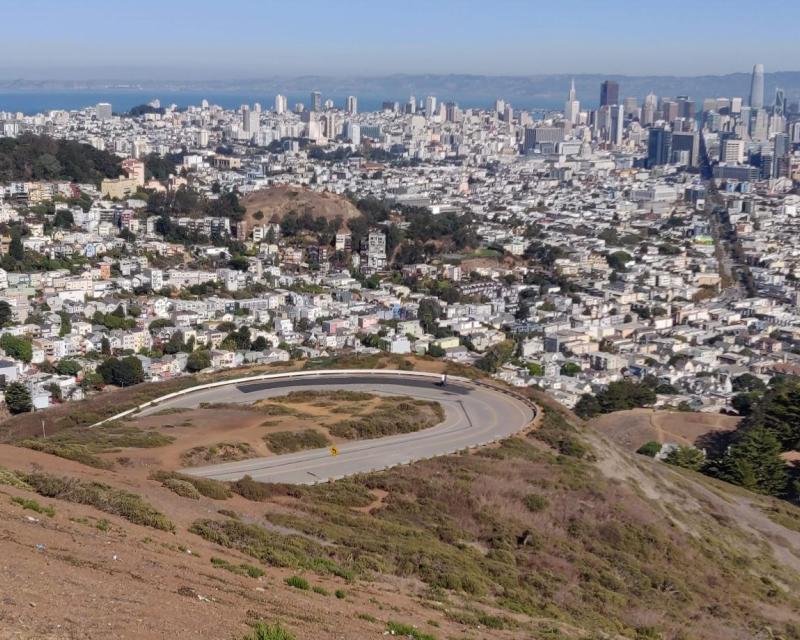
[541, 90]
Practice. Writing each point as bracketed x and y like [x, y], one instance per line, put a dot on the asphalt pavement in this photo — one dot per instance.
[474, 415]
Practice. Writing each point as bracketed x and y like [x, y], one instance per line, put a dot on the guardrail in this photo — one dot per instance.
[292, 375]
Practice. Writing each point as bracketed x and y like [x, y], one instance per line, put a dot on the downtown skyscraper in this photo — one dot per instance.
[757, 87]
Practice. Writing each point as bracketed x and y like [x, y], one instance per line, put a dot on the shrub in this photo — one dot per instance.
[298, 583]
[207, 487]
[101, 496]
[243, 569]
[12, 479]
[291, 441]
[340, 594]
[251, 489]
[535, 503]
[33, 505]
[650, 449]
[183, 488]
[320, 590]
[270, 548]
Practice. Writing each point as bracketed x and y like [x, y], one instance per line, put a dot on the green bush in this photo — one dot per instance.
[33, 505]
[340, 594]
[298, 583]
[273, 549]
[291, 441]
[650, 449]
[101, 496]
[535, 503]
[183, 488]
[243, 569]
[207, 487]
[320, 590]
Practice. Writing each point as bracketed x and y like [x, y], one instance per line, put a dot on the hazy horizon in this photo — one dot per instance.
[511, 37]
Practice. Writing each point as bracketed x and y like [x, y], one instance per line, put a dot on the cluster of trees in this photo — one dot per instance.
[161, 167]
[187, 201]
[117, 319]
[618, 396]
[122, 372]
[31, 157]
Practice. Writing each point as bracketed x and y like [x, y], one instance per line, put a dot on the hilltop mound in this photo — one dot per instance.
[280, 200]
[557, 533]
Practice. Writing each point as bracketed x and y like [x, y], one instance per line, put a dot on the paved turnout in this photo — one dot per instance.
[474, 415]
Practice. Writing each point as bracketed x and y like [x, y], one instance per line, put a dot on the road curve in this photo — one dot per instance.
[475, 415]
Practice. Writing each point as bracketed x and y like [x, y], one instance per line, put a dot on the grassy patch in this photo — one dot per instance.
[243, 569]
[407, 631]
[82, 444]
[100, 496]
[33, 505]
[270, 548]
[559, 433]
[213, 489]
[392, 416]
[263, 631]
[291, 441]
[297, 582]
[220, 452]
[13, 479]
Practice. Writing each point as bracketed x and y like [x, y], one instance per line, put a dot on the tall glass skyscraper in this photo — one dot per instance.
[757, 87]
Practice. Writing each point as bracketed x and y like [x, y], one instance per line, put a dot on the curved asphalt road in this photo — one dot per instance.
[474, 415]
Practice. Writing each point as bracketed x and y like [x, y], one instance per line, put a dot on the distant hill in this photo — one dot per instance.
[32, 157]
[281, 200]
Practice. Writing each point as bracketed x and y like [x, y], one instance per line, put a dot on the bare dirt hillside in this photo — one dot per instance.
[631, 429]
[558, 533]
[280, 200]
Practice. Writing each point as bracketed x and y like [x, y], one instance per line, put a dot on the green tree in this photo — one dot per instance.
[649, 449]
[754, 462]
[198, 360]
[570, 369]
[105, 347]
[122, 372]
[686, 457]
[18, 398]
[429, 312]
[67, 367]
[5, 313]
[18, 348]
[66, 324]
[15, 249]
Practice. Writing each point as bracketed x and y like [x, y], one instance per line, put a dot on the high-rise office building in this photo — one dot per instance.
[688, 142]
[649, 109]
[732, 151]
[411, 105]
[609, 93]
[572, 108]
[103, 111]
[757, 87]
[352, 105]
[250, 122]
[430, 106]
[617, 124]
[779, 108]
[631, 107]
[280, 104]
[316, 101]
[659, 147]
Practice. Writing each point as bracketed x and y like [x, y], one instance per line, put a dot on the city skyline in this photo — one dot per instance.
[160, 41]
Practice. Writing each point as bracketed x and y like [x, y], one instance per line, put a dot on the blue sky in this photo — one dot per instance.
[207, 39]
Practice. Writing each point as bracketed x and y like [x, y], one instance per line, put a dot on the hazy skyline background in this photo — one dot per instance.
[211, 40]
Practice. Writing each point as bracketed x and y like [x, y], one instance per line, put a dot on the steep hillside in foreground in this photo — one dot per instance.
[557, 534]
